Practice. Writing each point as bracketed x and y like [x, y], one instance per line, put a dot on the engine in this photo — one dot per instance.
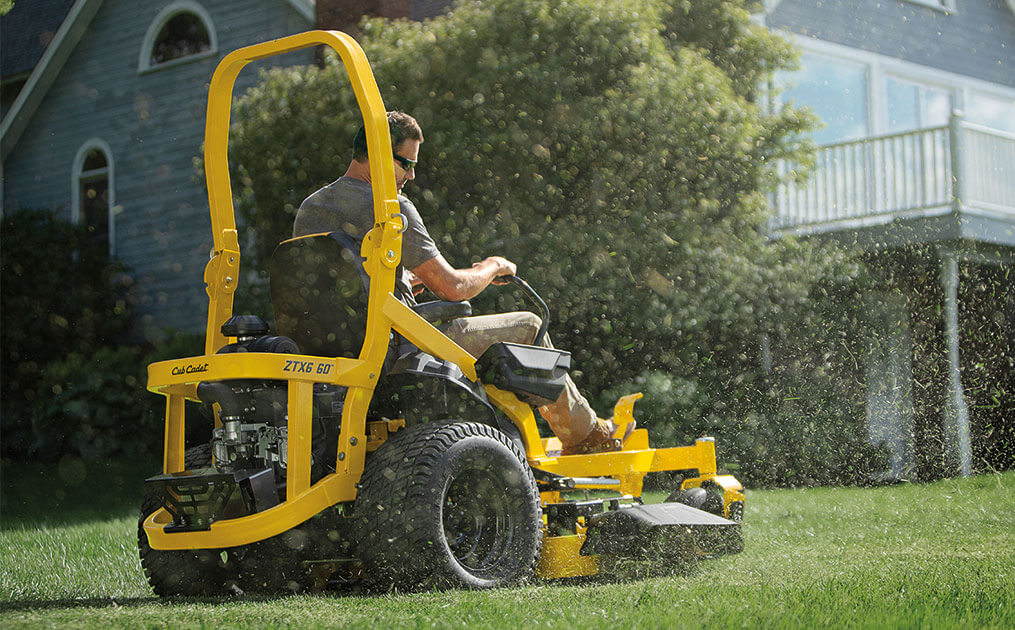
[254, 433]
[250, 447]
[257, 436]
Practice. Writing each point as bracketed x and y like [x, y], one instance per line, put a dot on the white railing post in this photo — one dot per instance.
[956, 148]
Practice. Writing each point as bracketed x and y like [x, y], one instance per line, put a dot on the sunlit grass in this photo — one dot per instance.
[936, 555]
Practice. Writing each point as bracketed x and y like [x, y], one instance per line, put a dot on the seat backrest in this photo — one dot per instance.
[319, 293]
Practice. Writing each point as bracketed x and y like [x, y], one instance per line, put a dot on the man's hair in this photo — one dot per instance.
[401, 126]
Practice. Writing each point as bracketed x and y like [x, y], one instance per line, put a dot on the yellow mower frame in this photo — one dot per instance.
[177, 379]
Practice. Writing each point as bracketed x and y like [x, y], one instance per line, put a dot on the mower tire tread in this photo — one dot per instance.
[407, 504]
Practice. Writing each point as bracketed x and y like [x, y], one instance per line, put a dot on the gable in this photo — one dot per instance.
[74, 25]
[46, 71]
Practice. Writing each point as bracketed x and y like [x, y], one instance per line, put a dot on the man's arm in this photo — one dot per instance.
[455, 285]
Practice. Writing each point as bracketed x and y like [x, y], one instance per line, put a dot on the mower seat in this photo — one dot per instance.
[439, 312]
[319, 292]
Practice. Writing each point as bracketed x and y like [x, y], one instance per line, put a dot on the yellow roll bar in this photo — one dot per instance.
[382, 248]
[221, 274]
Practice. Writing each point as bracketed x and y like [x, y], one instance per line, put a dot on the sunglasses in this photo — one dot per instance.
[405, 163]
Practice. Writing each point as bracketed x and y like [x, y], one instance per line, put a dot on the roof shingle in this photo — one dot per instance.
[26, 31]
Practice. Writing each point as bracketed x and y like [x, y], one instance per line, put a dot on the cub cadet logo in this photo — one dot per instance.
[190, 369]
[306, 367]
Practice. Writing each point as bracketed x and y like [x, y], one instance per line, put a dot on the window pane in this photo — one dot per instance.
[991, 111]
[95, 211]
[836, 91]
[911, 106]
[935, 107]
[95, 159]
[902, 103]
[183, 35]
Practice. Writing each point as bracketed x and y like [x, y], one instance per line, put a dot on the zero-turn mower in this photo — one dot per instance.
[360, 444]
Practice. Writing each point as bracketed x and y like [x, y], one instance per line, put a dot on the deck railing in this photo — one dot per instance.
[960, 166]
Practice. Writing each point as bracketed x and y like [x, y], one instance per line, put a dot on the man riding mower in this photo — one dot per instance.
[363, 443]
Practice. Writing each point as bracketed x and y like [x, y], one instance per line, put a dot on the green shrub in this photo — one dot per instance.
[61, 295]
[96, 405]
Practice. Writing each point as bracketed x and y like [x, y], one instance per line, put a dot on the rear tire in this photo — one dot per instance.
[450, 506]
[175, 573]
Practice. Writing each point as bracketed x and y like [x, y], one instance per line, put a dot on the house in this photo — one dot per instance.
[916, 167]
[106, 126]
[103, 113]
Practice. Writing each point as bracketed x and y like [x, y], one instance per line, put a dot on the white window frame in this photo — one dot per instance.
[78, 175]
[880, 65]
[168, 12]
[946, 6]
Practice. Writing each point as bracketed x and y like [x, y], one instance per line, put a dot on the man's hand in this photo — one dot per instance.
[503, 267]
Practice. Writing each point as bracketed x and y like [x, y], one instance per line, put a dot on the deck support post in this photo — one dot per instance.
[956, 413]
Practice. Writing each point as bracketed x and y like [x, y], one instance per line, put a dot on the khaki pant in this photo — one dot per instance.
[570, 416]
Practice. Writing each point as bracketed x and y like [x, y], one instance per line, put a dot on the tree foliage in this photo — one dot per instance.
[620, 153]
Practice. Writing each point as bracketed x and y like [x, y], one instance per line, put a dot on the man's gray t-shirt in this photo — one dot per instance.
[347, 205]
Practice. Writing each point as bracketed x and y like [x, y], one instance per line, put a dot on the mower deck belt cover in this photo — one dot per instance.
[535, 374]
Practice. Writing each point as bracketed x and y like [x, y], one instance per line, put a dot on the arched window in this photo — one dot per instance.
[92, 193]
[183, 35]
[181, 31]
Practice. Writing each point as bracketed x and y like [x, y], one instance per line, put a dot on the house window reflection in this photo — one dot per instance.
[991, 111]
[912, 106]
[836, 91]
[94, 198]
[183, 35]
[182, 31]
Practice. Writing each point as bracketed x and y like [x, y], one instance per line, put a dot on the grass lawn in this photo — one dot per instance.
[940, 555]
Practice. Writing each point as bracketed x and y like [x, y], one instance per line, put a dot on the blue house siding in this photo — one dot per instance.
[153, 123]
[975, 40]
